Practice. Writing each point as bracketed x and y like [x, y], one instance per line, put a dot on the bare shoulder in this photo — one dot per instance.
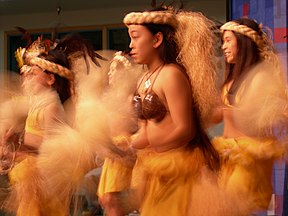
[174, 73]
[54, 108]
[173, 69]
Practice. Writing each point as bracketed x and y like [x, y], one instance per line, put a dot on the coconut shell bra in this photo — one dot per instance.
[151, 107]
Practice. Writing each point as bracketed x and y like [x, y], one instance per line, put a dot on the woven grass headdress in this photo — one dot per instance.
[29, 55]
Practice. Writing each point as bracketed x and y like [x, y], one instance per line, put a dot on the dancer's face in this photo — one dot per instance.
[37, 79]
[116, 68]
[229, 46]
[141, 44]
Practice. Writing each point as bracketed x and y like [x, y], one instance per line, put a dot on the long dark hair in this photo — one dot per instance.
[202, 141]
[168, 49]
[61, 84]
[248, 55]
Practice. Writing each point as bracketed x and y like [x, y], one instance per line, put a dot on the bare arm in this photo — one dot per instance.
[140, 141]
[216, 116]
[180, 129]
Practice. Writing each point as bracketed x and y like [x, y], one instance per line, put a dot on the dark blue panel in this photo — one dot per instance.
[262, 11]
[269, 3]
[285, 197]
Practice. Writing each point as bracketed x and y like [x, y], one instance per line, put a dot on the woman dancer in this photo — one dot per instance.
[47, 82]
[254, 103]
[116, 174]
[175, 159]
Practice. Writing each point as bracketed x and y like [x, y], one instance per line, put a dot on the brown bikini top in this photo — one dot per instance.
[151, 107]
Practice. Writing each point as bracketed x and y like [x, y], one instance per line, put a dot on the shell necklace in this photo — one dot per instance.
[147, 82]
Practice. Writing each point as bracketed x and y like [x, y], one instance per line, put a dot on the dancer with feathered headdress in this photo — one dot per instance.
[47, 84]
[74, 148]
